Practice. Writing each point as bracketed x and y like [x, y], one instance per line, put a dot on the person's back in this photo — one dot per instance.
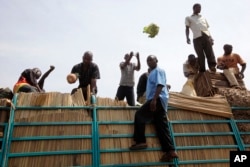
[29, 76]
[27, 82]
[190, 66]
[190, 69]
[141, 88]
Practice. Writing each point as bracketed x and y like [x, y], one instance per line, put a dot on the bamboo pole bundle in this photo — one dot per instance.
[43, 99]
[49, 145]
[122, 143]
[118, 143]
[57, 161]
[209, 105]
[4, 114]
[113, 115]
[208, 154]
[207, 140]
[111, 143]
[109, 102]
[5, 102]
[32, 99]
[67, 99]
[203, 85]
[58, 115]
[202, 154]
[88, 100]
[216, 140]
[78, 99]
[47, 99]
[111, 129]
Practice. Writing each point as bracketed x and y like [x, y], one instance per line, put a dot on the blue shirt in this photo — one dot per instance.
[157, 77]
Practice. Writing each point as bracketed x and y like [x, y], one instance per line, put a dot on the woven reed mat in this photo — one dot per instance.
[209, 105]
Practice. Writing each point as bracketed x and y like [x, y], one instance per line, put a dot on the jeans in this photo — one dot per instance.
[159, 118]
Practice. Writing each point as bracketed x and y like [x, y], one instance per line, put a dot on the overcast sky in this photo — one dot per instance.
[40, 33]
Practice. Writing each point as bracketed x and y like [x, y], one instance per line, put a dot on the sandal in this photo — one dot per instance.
[169, 156]
[138, 146]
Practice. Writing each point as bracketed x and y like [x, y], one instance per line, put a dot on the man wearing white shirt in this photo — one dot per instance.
[202, 39]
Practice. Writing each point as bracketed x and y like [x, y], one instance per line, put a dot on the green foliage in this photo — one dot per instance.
[152, 29]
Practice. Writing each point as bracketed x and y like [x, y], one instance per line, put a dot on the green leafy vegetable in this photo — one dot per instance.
[152, 29]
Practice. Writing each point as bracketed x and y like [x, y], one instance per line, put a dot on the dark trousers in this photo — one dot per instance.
[203, 49]
[27, 89]
[159, 118]
[128, 92]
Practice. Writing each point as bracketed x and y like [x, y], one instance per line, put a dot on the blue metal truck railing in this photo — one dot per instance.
[7, 139]
[12, 124]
